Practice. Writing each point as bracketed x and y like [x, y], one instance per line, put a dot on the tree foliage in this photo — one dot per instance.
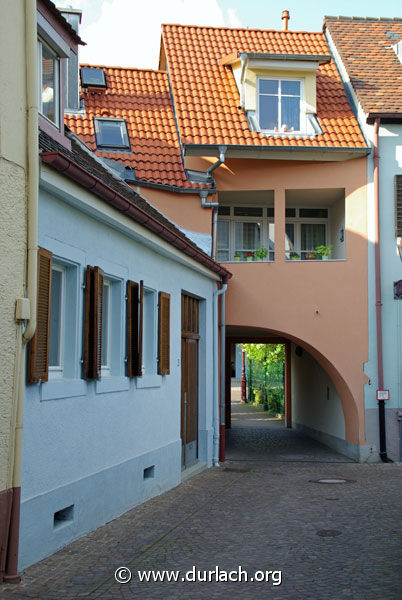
[266, 354]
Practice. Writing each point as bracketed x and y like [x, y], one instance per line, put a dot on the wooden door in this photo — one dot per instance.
[189, 379]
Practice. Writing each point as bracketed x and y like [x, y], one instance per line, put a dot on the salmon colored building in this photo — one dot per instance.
[246, 140]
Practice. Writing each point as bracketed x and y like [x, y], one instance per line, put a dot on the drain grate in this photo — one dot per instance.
[328, 532]
[332, 481]
[237, 469]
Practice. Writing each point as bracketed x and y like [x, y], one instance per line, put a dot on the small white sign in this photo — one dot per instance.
[382, 394]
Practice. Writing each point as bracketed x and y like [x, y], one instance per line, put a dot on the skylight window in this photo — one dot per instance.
[92, 77]
[111, 133]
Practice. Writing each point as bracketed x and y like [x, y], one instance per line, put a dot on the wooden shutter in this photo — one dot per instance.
[398, 205]
[38, 362]
[134, 308]
[140, 327]
[164, 334]
[94, 278]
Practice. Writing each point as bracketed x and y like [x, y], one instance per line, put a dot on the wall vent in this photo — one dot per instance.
[63, 516]
[149, 472]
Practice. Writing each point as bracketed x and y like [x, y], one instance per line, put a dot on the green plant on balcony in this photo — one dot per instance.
[294, 256]
[261, 253]
[237, 256]
[323, 251]
[249, 256]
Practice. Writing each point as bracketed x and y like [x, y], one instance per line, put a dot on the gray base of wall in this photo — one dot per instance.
[353, 451]
[95, 499]
[392, 431]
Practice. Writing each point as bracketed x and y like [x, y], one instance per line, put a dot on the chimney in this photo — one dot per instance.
[72, 100]
[285, 18]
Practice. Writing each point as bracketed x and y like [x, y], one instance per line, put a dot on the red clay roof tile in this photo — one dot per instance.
[194, 55]
[365, 47]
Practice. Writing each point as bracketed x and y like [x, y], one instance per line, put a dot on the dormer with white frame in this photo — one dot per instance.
[278, 91]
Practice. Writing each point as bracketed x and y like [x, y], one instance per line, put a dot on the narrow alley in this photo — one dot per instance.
[263, 510]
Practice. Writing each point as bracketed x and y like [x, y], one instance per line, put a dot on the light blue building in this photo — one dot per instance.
[368, 54]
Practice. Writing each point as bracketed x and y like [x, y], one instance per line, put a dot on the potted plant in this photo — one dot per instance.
[294, 256]
[237, 256]
[323, 251]
[310, 255]
[249, 256]
[261, 253]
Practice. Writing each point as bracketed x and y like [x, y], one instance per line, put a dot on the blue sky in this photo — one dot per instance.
[127, 32]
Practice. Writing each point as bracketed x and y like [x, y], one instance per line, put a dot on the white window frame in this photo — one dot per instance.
[302, 106]
[105, 368]
[149, 341]
[57, 93]
[297, 221]
[264, 220]
[57, 371]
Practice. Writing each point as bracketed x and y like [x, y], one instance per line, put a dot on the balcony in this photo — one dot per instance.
[314, 226]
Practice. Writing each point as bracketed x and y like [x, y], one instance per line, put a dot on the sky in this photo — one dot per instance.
[127, 32]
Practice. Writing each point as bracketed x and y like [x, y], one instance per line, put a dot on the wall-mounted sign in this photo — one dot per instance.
[382, 394]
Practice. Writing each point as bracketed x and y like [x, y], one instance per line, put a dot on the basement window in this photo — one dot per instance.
[111, 134]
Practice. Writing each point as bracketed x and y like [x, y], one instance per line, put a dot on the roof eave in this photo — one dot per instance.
[278, 152]
[385, 117]
[66, 166]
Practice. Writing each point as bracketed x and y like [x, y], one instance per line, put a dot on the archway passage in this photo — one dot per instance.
[313, 425]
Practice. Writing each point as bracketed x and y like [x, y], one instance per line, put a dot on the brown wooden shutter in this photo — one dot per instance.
[164, 334]
[133, 329]
[398, 205]
[38, 362]
[94, 278]
[140, 327]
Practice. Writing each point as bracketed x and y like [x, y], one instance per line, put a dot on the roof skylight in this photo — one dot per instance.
[92, 77]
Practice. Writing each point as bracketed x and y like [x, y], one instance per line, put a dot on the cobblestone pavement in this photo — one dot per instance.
[331, 541]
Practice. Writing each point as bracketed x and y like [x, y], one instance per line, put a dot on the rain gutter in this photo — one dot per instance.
[218, 365]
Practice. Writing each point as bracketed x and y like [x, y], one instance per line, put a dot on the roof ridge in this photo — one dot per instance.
[369, 19]
[241, 28]
[123, 68]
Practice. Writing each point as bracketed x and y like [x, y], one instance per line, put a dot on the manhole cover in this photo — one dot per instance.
[332, 481]
[328, 532]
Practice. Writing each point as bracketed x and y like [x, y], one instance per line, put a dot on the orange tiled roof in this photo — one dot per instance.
[206, 97]
[142, 98]
[372, 65]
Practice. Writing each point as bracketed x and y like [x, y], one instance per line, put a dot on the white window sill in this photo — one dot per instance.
[55, 389]
[112, 384]
[148, 381]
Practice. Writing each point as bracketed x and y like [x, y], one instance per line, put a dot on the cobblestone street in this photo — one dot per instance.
[263, 511]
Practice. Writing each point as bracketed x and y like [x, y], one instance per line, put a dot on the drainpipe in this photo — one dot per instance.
[14, 469]
[216, 421]
[222, 424]
[378, 303]
[214, 206]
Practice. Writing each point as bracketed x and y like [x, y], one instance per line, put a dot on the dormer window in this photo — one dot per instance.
[279, 105]
[111, 134]
[49, 87]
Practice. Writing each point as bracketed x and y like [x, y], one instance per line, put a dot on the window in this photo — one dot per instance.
[106, 325]
[92, 77]
[111, 133]
[242, 230]
[149, 333]
[302, 235]
[57, 321]
[279, 105]
[48, 89]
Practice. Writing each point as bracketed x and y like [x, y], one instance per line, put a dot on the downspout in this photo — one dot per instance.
[378, 303]
[214, 205]
[11, 572]
[222, 424]
[216, 421]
